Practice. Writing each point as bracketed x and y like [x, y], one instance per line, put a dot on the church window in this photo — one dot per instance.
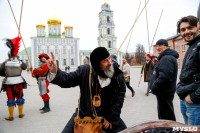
[64, 61]
[108, 19]
[72, 61]
[109, 44]
[108, 31]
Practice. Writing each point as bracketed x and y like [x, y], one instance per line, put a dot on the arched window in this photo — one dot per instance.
[108, 31]
[108, 19]
[109, 44]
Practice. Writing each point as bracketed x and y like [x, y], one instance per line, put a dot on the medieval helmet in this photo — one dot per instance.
[13, 45]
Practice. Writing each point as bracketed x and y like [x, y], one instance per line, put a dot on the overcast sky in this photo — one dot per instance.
[83, 16]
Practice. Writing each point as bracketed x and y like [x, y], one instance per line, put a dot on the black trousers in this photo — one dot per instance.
[69, 128]
[129, 87]
[165, 107]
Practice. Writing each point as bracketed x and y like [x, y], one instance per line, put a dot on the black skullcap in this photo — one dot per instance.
[97, 55]
[162, 42]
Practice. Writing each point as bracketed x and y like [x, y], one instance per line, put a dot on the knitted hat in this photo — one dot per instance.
[113, 58]
[162, 42]
[97, 55]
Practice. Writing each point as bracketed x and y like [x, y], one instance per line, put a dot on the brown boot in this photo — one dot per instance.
[133, 93]
[9, 118]
[11, 111]
[42, 108]
[46, 107]
[21, 116]
[20, 108]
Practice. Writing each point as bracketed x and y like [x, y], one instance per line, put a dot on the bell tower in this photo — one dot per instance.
[106, 27]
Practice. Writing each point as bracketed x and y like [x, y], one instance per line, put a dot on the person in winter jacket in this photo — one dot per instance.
[188, 88]
[147, 68]
[107, 82]
[163, 80]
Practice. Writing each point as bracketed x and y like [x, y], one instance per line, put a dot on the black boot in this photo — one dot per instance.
[46, 107]
[43, 107]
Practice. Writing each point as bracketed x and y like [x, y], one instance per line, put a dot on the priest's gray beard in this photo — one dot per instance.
[109, 72]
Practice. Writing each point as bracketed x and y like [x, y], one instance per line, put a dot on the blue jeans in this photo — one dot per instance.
[190, 112]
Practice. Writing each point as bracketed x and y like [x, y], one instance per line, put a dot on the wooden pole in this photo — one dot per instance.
[156, 28]
[144, 66]
[20, 17]
[132, 27]
[132, 31]
[147, 27]
[20, 33]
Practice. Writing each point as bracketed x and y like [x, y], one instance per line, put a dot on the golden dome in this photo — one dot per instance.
[63, 33]
[40, 25]
[68, 27]
[54, 21]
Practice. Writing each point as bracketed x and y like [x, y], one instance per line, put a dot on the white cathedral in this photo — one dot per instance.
[65, 47]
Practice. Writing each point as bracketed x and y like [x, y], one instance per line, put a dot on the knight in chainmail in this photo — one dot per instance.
[13, 83]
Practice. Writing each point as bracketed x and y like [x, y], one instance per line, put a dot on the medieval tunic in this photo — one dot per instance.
[40, 74]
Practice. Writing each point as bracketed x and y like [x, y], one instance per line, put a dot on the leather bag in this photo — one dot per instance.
[87, 124]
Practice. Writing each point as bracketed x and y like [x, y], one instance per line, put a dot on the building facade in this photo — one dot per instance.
[64, 46]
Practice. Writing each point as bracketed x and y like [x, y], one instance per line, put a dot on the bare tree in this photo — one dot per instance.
[128, 57]
[140, 54]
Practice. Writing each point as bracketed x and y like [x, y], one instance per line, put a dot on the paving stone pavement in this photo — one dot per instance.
[63, 101]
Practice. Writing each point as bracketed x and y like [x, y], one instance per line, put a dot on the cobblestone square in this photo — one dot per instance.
[63, 101]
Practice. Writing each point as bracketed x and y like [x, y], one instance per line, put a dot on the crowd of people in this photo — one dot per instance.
[103, 81]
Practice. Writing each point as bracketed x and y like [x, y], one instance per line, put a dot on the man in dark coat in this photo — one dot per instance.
[147, 68]
[188, 89]
[107, 81]
[163, 80]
